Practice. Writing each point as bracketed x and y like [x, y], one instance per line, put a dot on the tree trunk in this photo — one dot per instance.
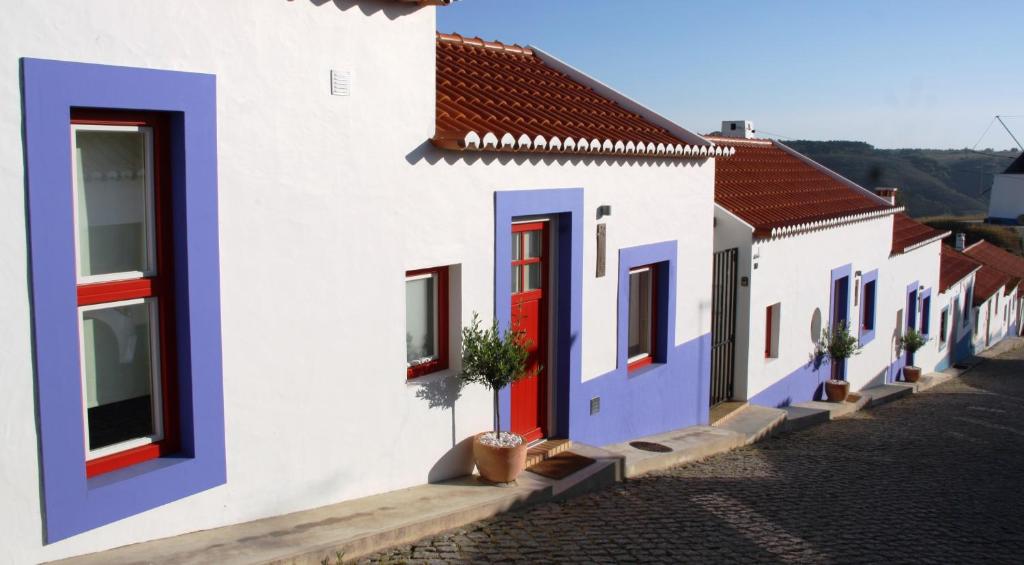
[497, 415]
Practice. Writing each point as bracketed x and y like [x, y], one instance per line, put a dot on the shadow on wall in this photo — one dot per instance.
[426, 151]
[393, 10]
[442, 393]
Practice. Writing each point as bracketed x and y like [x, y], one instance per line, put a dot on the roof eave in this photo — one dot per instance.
[825, 223]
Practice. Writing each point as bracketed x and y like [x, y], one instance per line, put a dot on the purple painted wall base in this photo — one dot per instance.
[802, 385]
[658, 398]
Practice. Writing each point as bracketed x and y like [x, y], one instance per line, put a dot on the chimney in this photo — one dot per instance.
[961, 240]
[742, 129]
[888, 193]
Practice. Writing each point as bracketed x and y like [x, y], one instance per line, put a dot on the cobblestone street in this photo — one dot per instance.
[934, 478]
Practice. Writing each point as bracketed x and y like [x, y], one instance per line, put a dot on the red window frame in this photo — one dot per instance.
[649, 359]
[441, 363]
[159, 286]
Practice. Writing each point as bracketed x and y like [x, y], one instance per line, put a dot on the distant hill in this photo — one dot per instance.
[932, 182]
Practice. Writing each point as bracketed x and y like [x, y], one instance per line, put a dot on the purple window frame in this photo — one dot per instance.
[50, 89]
[867, 335]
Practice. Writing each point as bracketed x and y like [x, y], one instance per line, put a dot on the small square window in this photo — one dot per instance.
[426, 321]
[642, 310]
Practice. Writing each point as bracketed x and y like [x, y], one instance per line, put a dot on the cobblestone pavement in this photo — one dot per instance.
[934, 478]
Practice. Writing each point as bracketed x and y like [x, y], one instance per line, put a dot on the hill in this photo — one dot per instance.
[932, 182]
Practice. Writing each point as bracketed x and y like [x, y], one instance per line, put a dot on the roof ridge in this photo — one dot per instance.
[479, 43]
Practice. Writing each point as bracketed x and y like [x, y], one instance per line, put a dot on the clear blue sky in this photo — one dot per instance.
[894, 73]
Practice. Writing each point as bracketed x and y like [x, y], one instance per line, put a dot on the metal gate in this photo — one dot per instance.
[723, 326]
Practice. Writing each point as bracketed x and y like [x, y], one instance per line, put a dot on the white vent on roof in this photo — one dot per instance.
[341, 82]
[742, 129]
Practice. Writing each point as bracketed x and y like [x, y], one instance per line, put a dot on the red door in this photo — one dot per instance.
[529, 314]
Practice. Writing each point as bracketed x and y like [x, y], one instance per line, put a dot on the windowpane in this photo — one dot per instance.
[113, 199]
[517, 275]
[118, 362]
[517, 245]
[533, 244]
[533, 276]
[639, 314]
[420, 320]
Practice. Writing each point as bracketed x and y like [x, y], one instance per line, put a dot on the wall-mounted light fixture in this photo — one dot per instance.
[604, 210]
[856, 287]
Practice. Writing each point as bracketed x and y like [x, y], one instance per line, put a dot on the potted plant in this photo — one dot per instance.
[495, 360]
[837, 344]
[910, 342]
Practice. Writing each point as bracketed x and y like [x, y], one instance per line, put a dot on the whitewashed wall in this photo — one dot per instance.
[922, 265]
[993, 309]
[953, 298]
[732, 232]
[1007, 196]
[325, 202]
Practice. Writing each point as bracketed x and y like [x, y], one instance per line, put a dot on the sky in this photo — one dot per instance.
[894, 73]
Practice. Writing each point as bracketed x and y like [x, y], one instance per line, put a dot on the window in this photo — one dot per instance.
[642, 296]
[124, 286]
[926, 315]
[426, 321]
[943, 323]
[967, 307]
[867, 316]
[772, 321]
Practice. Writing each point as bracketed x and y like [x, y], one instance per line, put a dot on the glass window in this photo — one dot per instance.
[943, 322]
[426, 321]
[114, 200]
[124, 295]
[420, 319]
[868, 315]
[121, 369]
[641, 320]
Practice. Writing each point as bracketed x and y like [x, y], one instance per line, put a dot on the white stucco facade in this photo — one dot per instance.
[325, 202]
[1006, 200]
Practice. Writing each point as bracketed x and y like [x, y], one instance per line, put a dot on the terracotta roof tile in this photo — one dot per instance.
[954, 267]
[987, 282]
[769, 187]
[908, 233]
[493, 96]
[997, 258]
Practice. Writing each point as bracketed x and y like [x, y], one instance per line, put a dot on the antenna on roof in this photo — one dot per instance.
[1001, 122]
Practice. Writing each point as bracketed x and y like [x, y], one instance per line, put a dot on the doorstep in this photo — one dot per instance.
[806, 414]
[364, 526]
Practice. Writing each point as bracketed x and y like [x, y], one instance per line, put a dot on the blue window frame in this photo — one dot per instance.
[926, 311]
[868, 306]
[74, 503]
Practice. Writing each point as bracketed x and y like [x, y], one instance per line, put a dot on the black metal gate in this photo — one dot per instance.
[723, 326]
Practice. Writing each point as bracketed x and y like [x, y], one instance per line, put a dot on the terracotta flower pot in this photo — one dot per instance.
[499, 464]
[836, 391]
[911, 374]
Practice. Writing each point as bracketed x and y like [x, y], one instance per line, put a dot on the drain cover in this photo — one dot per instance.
[650, 446]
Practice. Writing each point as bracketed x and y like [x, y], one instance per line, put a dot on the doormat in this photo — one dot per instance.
[650, 446]
[560, 466]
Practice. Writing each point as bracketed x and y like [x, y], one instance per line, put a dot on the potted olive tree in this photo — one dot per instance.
[910, 342]
[495, 360]
[837, 344]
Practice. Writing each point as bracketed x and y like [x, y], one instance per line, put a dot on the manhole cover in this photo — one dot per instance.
[650, 446]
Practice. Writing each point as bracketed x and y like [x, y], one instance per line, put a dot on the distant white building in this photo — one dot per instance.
[1006, 200]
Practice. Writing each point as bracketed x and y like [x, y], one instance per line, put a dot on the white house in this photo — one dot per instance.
[235, 215]
[998, 260]
[1006, 200]
[812, 250]
[954, 335]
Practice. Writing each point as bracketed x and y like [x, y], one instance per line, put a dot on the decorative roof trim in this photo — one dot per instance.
[801, 228]
[511, 142]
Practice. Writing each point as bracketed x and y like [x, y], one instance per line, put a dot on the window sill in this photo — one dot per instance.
[649, 367]
[866, 337]
[431, 378]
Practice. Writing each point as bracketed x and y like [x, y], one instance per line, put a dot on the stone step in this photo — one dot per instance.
[545, 449]
[725, 411]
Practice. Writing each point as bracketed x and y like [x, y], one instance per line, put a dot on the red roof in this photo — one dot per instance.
[987, 282]
[997, 258]
[770, 187]
[954, 267]
[493, 96]
[907, 234]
